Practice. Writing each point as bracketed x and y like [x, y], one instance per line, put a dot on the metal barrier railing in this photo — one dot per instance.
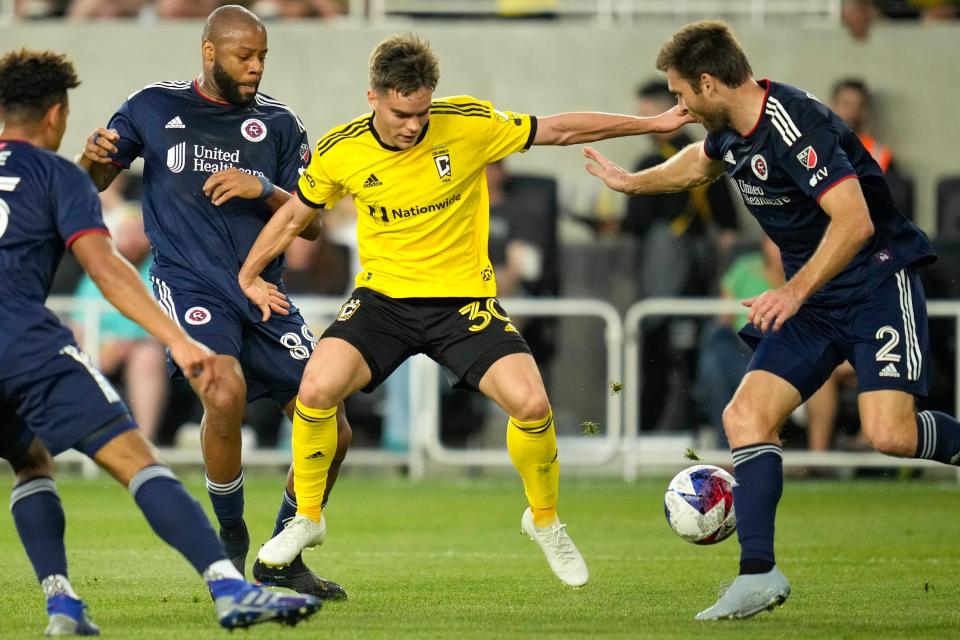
[705, 307]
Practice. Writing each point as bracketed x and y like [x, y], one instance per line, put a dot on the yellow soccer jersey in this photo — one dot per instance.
[423, 212]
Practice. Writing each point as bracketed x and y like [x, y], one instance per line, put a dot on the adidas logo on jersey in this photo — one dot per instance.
[176, 123]
[729, 157]
[372, 181]
[889, 371]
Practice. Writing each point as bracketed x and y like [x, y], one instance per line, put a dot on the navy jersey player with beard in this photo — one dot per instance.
[219, 159]
[52, 398]
[852, 291]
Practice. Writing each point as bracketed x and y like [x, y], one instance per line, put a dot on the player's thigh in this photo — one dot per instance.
[15, 438]
[889, 338]
[63, 399]
[371, 336]
[274, 357]
[469, 336]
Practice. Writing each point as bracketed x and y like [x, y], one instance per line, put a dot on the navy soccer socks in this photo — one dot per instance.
[938, 437]
[40, 522]
[227, 501]
[176, 517]
[758, 469]
[288, 509]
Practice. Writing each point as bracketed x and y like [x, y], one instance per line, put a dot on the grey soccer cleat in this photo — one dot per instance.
[749, 595]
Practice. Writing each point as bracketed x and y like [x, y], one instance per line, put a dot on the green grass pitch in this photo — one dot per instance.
[444, 559]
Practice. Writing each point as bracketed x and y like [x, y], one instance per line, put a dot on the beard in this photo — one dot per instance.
[230, 88]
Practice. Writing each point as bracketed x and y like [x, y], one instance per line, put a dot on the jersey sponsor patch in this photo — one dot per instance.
[808, 157]
[197, 315]
[759, 165]
[253, 130]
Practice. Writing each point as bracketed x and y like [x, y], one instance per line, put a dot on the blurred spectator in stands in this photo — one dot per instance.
[679, 239]
[723, 356]
[852, 100]
[858, 16]
[128, 355]
[286, 9]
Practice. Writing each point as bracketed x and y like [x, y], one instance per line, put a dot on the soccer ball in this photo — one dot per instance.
[699, 504]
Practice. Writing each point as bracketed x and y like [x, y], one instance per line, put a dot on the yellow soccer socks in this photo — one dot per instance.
[314, 446]
[533, 450]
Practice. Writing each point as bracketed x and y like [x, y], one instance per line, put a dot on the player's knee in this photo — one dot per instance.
[889, 437]
[743, 425]
[319, 393]
[533, 406]
[228, 396]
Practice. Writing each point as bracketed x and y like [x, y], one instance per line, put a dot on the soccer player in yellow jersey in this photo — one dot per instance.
[415, 167]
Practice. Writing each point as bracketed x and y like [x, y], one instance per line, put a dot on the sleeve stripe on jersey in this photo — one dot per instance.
[533, 133]
[450, 112]
[461, 105]
[84, 232]
[307, 201]
[270, 102]
[782, 121]
[827, 190]
[472, 111]
[353, 131]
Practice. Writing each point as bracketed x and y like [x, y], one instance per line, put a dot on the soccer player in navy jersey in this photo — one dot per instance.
[852, 290]
[52, 398]
[219, 158]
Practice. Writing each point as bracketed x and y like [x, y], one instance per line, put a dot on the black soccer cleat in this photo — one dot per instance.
[236, 542]
[298, 577]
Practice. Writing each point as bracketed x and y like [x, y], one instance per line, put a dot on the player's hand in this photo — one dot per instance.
[770, 309]
[671, 120]
[612, 175]
[266, 296]
[232, 183]
[100, 145]
[195, 361]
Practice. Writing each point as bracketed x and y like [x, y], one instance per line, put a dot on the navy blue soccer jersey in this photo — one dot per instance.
[799, 150]
[46, 203]
[185, 137]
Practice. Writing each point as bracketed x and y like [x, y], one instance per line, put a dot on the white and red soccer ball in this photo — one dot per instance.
[699, 504]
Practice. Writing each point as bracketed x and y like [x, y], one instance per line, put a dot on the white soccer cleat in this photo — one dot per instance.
[298, 534]
[748, 595]
[562, 555]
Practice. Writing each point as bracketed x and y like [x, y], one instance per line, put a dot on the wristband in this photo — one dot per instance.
[268, 188]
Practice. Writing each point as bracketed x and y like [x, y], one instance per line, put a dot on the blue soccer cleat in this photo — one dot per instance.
[68, 617]
[241, 604]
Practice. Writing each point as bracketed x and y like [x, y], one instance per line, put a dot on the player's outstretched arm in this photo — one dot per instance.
[233, 183]
[576, 128]
[687, 169]
[285, 225]
[122, 287]
[95, 157]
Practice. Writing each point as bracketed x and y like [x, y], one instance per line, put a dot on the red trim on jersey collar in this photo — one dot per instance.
[763, 105]
[199, 92]
[84, 232]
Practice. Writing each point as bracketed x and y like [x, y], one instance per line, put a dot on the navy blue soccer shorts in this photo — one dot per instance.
[884, 336]
[50, 388]
[272, 354]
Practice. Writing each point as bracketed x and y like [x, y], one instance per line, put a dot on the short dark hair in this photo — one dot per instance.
[708, 46]
[33, 81]
[403, 63]
[655, 90]
[851, 84]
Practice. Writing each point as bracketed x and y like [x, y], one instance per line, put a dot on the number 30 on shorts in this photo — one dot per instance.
[482, 317]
